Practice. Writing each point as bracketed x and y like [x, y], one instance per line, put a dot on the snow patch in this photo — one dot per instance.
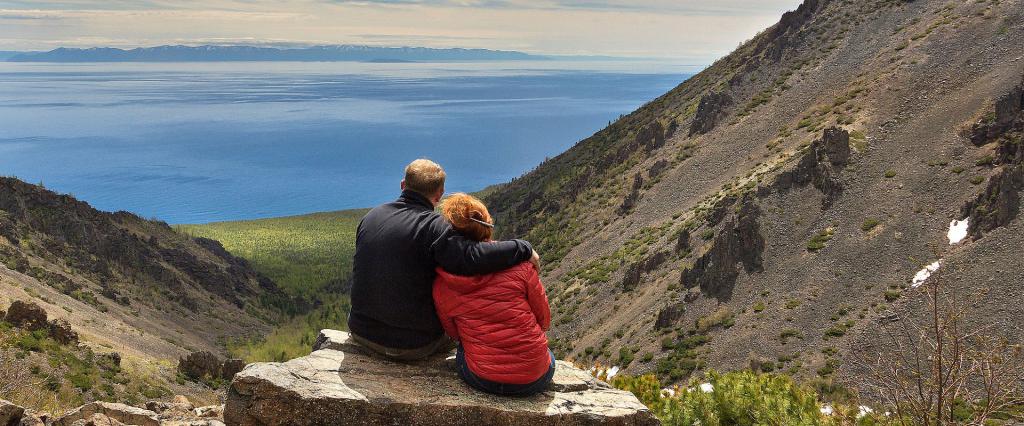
[923, 274]
[827, 410]
[958, 230]
[608, 372]
[864, 410]
[707, 387]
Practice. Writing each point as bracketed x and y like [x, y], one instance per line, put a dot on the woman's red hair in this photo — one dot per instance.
[460, 209]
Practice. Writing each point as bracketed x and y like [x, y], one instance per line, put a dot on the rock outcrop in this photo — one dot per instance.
[669, 315]
[1000, 202]
[1006, 116]
[341, 383]
[634, 272]
[61, 331]
[30, 316]
[710, 109]
[820, 166]
[739, 243]
[634, 195]
[10, 414]
[26, 315]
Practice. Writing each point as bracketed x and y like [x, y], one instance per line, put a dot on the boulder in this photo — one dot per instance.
[109, 360]
[32, 418]
[97, 420]
[61, 331]
[10, 414]
[199, 365]
[120, 413]
[343, 383]
[26, 315]
[183, 400]
[230, 368]
[210, 411]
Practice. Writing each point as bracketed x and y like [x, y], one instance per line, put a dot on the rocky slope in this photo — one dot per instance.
[122, 284]
[769, 211]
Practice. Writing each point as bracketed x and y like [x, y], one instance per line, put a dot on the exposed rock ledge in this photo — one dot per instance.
[340, 383]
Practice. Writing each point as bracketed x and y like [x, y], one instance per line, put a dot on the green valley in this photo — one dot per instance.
[309, 256]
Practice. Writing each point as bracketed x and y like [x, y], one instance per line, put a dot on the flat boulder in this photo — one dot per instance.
[108, 412]
[342, 383]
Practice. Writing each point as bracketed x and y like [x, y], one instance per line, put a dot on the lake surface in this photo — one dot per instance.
[202, 142]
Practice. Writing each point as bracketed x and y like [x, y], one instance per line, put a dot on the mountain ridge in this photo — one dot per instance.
[137, 294]
[734, 176]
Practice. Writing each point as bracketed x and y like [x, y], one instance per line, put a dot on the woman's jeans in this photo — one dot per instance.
[540, 385]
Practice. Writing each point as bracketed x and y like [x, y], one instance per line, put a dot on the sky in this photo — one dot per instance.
[685, 31]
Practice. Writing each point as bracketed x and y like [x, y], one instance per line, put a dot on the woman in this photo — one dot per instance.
[498, 319]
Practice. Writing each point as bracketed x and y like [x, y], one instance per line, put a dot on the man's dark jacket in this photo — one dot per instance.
[398, 247]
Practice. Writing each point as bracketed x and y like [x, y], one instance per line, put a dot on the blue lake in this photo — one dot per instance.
[202, 142]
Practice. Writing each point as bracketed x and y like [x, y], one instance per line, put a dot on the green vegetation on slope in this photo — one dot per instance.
[308, 256]
[300, 253]
[38, 372]
[742, 398]
[295, 337]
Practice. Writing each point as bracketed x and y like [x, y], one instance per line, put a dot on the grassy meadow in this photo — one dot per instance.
[302, 254]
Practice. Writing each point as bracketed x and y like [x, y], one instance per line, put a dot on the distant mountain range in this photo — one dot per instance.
[5, 54]
[336, 53]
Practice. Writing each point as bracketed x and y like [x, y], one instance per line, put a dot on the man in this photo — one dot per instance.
[398, 247]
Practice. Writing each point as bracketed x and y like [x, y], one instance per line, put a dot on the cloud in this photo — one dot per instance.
[686, 30]
[690, 7]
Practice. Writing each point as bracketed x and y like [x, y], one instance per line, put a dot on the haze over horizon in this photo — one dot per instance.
[686, 31]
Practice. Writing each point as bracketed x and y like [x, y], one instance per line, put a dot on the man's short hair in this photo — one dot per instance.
[424, 176]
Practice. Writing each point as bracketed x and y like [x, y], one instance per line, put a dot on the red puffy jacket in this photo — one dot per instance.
[500, 319]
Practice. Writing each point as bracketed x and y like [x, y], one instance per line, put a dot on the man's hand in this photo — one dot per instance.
[535, 260]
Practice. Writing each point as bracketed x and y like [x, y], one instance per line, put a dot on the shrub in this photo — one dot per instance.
[737, 398]
[625, 356]
[722, 317]
[869, 224]
[81, 381]
[759, 307]
[818, 241]
[977, 180]
[838, 330]
[891, 295]
[889, 174]
[789, 333]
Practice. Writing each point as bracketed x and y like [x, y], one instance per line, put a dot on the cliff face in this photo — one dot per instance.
[818, 169]
[125, 282]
